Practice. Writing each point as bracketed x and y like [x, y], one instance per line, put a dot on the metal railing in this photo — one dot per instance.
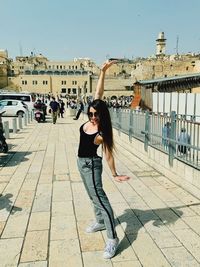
[175, 135]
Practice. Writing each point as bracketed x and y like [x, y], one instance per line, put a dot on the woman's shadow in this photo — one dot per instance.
[6, 203]
[135, 219]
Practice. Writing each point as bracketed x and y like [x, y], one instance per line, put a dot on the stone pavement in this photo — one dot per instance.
[44, 208]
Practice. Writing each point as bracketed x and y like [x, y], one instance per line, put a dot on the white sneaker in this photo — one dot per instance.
[111, 248]
[95, 227]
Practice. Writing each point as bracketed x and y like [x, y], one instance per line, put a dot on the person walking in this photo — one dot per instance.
[96, 131]
[62, 108]
[80, 109]
[54, 105]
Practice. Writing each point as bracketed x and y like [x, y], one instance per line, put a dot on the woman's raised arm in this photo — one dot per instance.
[100, 84]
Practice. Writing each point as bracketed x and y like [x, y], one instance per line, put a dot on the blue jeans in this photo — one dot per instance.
[91, 173]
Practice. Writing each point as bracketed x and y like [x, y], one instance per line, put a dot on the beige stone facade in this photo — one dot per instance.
[73, 85]
[165, 67]
[78, 77]
[115, 87]
[3, 68]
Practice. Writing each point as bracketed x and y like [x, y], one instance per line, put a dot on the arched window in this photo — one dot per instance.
[63, 72]
[56, 72]
[49, 72]
[84, 72]
[77, 72]
[28, 72]
[42, 72]
[34, 72]
[70, 72]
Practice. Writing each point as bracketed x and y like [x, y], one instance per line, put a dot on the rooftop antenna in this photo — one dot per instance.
[107, 56]
[177, 40]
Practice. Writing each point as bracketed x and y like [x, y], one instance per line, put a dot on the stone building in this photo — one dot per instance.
[78, 77]
[161, 65]
[3, 68]
[75, 78]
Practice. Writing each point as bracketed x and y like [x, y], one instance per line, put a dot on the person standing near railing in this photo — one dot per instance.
[184, 139]
[166, 135]
[96, 131]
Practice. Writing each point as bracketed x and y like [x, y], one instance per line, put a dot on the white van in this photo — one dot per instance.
[27, 98]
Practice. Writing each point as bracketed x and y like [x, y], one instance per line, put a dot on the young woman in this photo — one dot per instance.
[98, 130]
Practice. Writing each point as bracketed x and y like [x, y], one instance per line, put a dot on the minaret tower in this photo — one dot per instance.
[160, 45]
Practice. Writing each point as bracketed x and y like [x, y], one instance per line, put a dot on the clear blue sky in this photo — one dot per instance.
[63, 29]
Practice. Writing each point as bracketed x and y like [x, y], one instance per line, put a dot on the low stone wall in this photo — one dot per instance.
[180, 173]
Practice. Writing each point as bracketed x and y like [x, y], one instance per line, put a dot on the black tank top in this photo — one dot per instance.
[87, 148]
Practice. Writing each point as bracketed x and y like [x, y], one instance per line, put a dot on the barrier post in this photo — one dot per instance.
[146, 136]
[6, 129]
[14, 124]
[20, 121]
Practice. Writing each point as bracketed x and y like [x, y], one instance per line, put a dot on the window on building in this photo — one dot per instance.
[63, 82]
[24, 82]
[74, 90]
[69, 91]
[45, 82]
[34, 82]
[63, 90]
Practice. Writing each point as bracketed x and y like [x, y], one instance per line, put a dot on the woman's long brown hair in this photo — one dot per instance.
[105, 125]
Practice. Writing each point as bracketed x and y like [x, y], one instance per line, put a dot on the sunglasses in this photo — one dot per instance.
[91, 114]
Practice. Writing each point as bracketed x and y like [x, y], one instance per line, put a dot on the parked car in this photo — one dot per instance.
[13, 107]
[27, 98]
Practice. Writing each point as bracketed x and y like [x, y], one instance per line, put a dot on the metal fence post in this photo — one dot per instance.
[119, 120]
[146, 136]
[130, 125]
[172, 138]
